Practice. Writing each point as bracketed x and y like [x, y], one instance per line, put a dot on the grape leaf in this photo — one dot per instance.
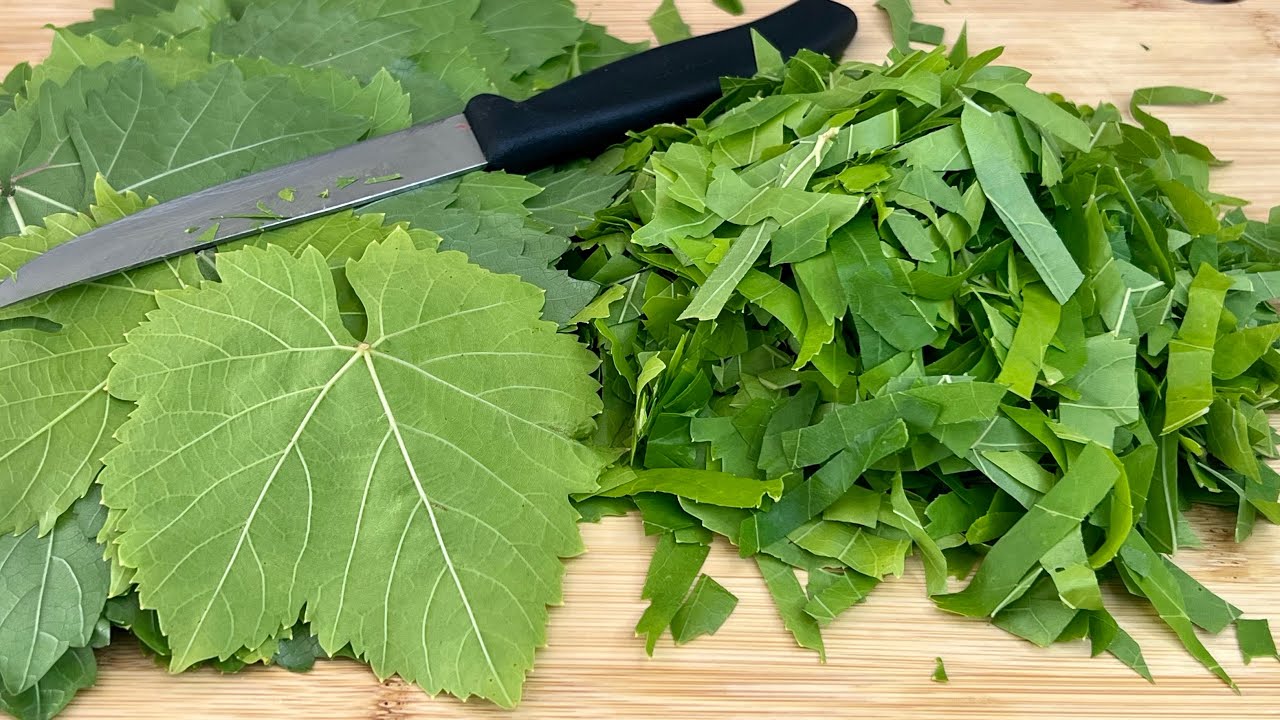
[168, 143]
[531, 31]
[438, 413]
[489, 221]
[122, 121]
[54, 590]
[58, 419]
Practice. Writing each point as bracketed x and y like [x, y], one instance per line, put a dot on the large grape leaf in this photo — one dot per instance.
[172, 64]
[156, 24]
[410, 491]
[122, 121]
[53, 593]
[442, 53]
[171, 142]
[532, 31]
[40, 172]
[361, 39]
[56, 420]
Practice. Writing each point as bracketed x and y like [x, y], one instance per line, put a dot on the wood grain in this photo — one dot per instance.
[880, 654]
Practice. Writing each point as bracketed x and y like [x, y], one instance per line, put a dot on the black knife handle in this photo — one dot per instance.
[667, 84]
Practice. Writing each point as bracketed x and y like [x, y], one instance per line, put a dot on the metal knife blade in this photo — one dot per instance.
[341, 179]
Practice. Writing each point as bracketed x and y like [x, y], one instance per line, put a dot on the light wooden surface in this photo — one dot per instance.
[880, 654]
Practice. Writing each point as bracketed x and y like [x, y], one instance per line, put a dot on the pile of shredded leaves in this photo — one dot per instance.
[849, 314]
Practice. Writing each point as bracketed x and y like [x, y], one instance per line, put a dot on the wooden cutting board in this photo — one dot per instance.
[881, 654]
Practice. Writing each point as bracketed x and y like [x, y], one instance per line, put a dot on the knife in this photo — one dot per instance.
[575, 119]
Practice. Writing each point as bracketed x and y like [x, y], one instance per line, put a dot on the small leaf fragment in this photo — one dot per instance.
[703, 612]
[939, 672]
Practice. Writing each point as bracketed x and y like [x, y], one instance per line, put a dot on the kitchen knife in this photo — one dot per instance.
[575, 119]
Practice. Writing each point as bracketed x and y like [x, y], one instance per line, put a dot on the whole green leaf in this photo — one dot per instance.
[1008, 193]
[54, 590]
[162, 23]
[489, 220]
[172, 63]
[703, 612]
[382, 99]
[530, 31]
[431, 348]
[1061, 510]
[167, 143]
[38, 160]
[361, 39]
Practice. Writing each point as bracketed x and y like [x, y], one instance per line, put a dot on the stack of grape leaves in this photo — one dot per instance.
[849, 314]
